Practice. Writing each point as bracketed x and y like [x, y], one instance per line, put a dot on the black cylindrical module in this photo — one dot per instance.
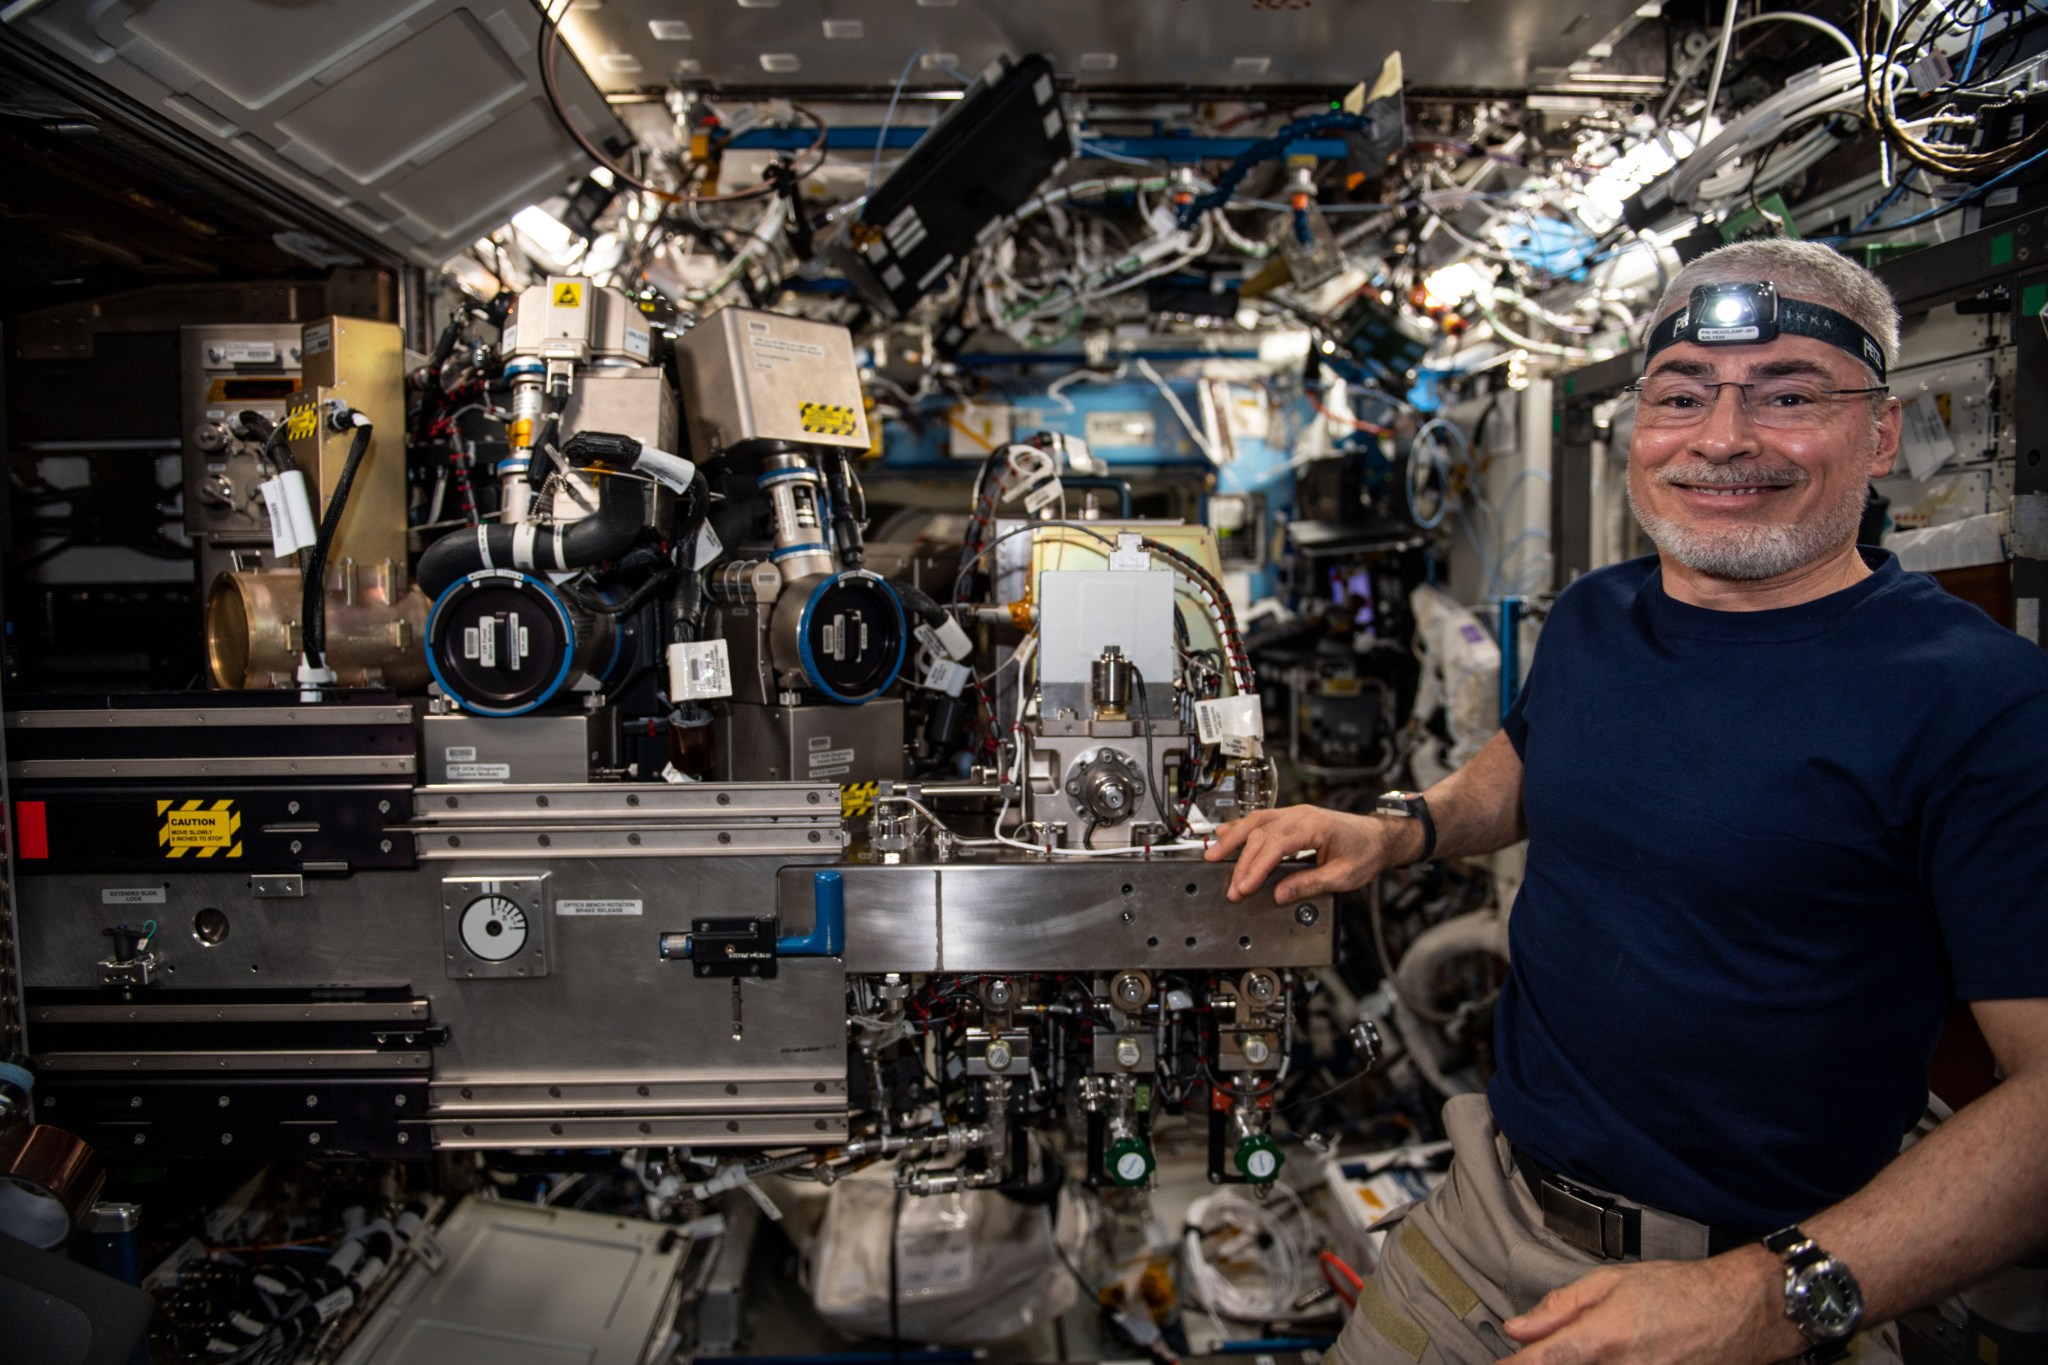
[501, 642]
[947, 723]
[845, 631]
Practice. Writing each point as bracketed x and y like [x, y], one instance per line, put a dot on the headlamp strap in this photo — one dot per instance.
[1796, 316]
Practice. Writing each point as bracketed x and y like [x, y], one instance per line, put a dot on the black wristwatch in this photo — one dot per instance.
[1410, 805]
[1822, 1298]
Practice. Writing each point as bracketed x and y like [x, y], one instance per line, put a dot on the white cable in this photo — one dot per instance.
[1275, 1241]
[1195, 434]
[1720, 65]
[765, 229]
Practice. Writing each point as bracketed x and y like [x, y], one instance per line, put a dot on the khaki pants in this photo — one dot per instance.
[1475, 1253]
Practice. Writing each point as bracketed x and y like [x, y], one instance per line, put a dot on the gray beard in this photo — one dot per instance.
[1749, 554]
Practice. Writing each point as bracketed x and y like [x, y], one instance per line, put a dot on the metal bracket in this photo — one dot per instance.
[2030, 526]
[733, 947]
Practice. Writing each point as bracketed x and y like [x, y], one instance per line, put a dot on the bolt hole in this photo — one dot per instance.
[1127, 888]
[1244, 940]
[2033, 458]
[1190, 941]
[1192, 888]
[1151, 943]
[642, 1091]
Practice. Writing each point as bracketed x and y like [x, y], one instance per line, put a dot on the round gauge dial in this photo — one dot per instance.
[1261, 1165]
[493, 927]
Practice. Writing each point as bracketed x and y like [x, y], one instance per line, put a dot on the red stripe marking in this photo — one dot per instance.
[31, 830]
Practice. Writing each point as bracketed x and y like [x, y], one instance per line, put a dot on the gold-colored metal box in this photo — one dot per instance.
[362, 364]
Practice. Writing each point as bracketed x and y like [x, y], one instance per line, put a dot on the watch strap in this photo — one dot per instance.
[1421, 809]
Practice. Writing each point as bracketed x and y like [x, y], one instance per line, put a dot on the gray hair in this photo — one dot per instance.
[1800, 270]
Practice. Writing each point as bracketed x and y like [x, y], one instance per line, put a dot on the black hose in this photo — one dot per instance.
[920, 603]
[618, 521]
[313, 576]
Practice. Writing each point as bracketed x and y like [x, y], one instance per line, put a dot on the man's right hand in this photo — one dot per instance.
[1350, 849]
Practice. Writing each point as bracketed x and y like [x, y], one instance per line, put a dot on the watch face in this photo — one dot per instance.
[1830, 1304]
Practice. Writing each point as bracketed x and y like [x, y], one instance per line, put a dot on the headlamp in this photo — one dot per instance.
[1750, 312]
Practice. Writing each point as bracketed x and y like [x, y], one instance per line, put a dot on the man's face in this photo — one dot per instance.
[1733, 498]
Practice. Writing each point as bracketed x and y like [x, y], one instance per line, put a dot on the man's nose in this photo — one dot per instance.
[1727, 432]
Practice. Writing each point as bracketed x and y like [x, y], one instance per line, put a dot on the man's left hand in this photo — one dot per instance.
[1728, 1310]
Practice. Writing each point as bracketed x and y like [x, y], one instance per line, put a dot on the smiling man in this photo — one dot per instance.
[1784, 803]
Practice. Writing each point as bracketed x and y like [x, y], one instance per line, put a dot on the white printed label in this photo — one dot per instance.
[614, 908]
[479, 772]
[486, 643]
[248, 352]
[283, 541]
[709, 547]
[639, 342]
[131, 895]
[1924, 439]
[334, 1303]
[780, 350]
[1221, 718]
[1130, 554]
[460, 753]
[698, 670]
[939, 1259]
[822, 757]
[946, 676]
[319, 338]
[1044, 496]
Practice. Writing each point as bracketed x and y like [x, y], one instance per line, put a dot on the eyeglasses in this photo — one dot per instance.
[1781, 404]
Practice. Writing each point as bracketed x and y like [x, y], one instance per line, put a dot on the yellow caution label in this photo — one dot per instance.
[568, 294]
[857, 799]
[301, 423]
[199, 829]
[827, 419]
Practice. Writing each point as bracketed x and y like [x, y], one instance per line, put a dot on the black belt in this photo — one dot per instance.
[1600, 1226]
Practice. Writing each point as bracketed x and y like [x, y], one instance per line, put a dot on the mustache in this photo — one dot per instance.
[1725, 475]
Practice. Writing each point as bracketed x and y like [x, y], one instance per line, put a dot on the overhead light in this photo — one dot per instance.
[779, 62]
[1251, 66]
[1449, 286]
[669, 30]
[844, 28]
[759, 4]
[1098, 61]
[938, 61]
[625, 63]
[545, 230]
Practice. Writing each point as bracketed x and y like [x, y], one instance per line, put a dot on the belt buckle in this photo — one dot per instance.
[1585, 1220]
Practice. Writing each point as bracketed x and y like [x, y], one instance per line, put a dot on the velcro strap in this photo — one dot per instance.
[1449, 1285]
[1403, 1335]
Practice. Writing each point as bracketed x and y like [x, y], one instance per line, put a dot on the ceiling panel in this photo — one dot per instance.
[422, 122]
[1210, 44]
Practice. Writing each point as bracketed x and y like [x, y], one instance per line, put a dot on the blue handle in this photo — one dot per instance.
[828, 921]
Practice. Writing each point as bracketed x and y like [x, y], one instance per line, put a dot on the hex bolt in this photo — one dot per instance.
[1306, 914]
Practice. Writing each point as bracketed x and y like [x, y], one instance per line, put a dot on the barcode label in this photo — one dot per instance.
[699, 670]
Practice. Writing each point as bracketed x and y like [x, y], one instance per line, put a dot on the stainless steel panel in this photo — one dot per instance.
[323, 765]
[754, 376]
[635, 401]
[822, 741]
[1026, 915]
[464, 751]
[339, 1059]
[1243, 48]
[626, 841]
[206, 717]
[610, 1010]
[754, 1131]
[457, 805]
[769, 1092]
[275, 1012]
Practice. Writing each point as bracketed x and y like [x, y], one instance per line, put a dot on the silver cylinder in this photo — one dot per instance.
[1110, 681]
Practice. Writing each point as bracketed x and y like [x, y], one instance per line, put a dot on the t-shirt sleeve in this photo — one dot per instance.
[1984, 852]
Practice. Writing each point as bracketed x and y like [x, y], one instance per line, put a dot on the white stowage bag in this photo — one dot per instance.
[1461, 664]
[971, 1267]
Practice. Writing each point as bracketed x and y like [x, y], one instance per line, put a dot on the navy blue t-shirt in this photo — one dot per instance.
[1766, 850]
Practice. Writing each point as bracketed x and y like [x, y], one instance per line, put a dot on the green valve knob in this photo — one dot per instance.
[1258, 1157]
[1130, 1161]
